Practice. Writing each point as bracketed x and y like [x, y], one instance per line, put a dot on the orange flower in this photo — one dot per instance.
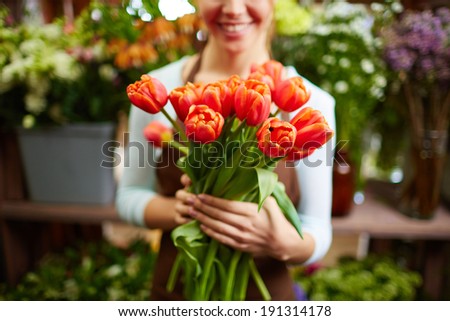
[187, 23]
[218, 97]
[135, 55]
[181, 42]
[203, 124]
[182, 98]
[116, 45]
[149, 94]
[312, 132]
[161, 30]
[276, 137]
[291, 94]
[158, 134]
[307, 116]
[233, 83]
[272, 69]
[252, 102]
[258, 75]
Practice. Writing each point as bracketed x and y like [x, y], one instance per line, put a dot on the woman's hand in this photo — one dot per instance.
[240, 226]
[184, 201]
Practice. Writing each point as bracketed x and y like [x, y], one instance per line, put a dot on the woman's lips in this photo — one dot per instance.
[234, 29]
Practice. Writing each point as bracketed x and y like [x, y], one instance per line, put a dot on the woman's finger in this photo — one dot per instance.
[185, 197]
[225, 239]
[204, 212]
[185, 180]
[236, 207]
[241, 229]
[180, 219]
[182, 213]
[224, 233]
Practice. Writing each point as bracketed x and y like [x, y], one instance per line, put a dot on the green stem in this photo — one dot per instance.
[231, 275]
[235, 133]
[277, 112]
[210, 256]
[259, 281]
[176, 126]
[241, 282]
[174, 273]
[180, 147]
[250, 134]
[226, 129]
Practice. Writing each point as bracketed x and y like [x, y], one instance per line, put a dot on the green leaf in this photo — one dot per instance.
[286, 206]
[242, 183]
[210, 181]
[192, 243]
[231, 162]
[267, 181]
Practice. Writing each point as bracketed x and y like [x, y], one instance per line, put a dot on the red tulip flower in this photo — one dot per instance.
[258, 75]
[291, 94]
[276, 137]
[203, 124]
[149, 94]
[218, 96]
[307, 116]
[158, 134]
[252, 102]
[182, 98]
[271, 68]
[312, 132]
[233, 83]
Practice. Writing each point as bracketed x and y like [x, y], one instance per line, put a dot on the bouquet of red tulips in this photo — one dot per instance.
[231, 142]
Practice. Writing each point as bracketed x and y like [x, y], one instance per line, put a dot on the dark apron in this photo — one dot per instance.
[274, 273]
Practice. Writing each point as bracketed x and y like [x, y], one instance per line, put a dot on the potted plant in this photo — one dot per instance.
[417, 51]
[374, 278]
[97, 271]
[63, 85]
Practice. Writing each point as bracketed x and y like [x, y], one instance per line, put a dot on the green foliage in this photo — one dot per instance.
[290, 18]
[341, 54]
[71, 72]
[89, 271]
[372, 279]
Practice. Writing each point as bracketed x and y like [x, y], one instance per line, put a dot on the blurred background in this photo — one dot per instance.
[64, 67]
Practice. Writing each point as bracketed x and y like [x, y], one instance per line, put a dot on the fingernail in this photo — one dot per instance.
[202, 197]
[191, 200]
[192, 212]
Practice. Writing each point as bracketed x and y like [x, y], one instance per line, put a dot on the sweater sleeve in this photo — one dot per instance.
[315, 177]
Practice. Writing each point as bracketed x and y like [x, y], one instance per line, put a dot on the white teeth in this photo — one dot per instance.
[235, 27]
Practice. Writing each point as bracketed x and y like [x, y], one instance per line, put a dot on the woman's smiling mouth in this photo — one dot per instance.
[234, 27]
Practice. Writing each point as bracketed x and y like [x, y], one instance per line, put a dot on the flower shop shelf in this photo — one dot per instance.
[378, 219]
[377, 222]
[67, 213]
[29, 230]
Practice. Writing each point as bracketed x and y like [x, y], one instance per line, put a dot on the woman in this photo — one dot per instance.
[150, 195]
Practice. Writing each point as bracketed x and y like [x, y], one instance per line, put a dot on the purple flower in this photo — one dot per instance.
[400, 59]
[419, 43]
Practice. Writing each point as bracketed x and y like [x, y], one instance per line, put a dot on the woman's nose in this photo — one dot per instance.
[234, 7]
